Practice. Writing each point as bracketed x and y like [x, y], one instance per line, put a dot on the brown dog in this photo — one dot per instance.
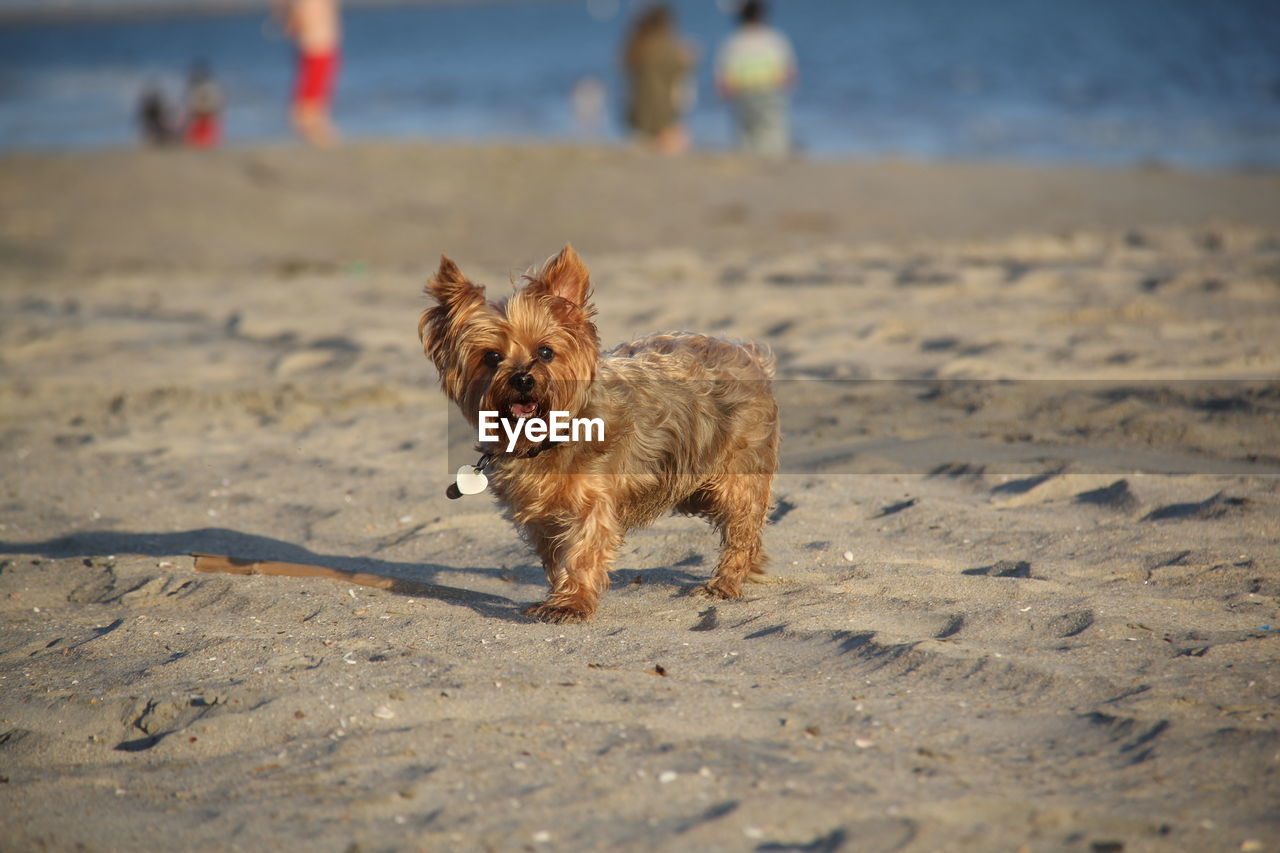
[689, 423]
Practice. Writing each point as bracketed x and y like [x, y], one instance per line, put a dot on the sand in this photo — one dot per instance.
[1025, 580]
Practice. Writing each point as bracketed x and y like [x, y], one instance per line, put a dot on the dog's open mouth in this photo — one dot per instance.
[526, 409]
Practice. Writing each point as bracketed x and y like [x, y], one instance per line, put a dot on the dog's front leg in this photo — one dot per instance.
[549, 541]
[588, 545]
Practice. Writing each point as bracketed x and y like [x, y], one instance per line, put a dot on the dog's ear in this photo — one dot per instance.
[451, 288]
[565, 276]
[457, 298]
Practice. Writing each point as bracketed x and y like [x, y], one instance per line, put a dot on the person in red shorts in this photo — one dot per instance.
[203, 128]
[316, 28]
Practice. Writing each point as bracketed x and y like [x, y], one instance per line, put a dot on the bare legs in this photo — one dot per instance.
[312, 122]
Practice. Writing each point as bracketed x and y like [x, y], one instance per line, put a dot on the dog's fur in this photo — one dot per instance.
[690, 425]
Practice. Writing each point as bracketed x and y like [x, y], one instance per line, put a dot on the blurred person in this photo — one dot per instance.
[155, 118]
[657, 64]
[755, 69]
[315, 26]
[588, 98]
[203, 128]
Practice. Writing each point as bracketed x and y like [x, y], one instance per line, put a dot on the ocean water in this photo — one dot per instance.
[1111, 82]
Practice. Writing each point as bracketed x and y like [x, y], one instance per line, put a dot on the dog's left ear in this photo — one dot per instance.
[565, 276]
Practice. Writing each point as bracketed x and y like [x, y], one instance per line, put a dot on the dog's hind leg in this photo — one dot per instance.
[737, 504]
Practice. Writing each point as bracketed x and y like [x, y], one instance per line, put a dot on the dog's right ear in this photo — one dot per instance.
[451, 288]
[458, 299]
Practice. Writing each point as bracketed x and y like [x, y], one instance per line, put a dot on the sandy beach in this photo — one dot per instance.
[1024, 590]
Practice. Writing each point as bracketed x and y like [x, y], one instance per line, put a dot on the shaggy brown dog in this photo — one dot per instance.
[690, 424]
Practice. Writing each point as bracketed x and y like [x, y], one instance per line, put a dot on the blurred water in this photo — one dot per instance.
[1111, 82]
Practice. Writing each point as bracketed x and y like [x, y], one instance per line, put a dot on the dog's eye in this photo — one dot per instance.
[492, 358]
[546, 353]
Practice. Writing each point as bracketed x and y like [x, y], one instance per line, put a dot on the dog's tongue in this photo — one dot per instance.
[523, 410]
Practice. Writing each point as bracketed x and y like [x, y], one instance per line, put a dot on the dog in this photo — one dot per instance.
[690, 424]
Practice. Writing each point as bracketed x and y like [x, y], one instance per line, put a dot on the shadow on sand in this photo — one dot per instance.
[405, 578]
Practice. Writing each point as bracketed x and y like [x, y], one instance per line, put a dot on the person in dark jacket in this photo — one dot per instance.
[657, 63]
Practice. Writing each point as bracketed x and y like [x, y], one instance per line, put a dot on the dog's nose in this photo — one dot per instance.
[522, 382]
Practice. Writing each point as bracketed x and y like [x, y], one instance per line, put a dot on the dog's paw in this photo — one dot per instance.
[548, 612]
[718, 589]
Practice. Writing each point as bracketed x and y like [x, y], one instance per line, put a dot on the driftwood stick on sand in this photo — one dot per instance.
[241, 566]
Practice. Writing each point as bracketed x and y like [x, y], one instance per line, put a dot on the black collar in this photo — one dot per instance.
[532, 452]
[489, 455]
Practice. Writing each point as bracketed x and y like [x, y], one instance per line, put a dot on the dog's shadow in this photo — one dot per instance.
[406, 578]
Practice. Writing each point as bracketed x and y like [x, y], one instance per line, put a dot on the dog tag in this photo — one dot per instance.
[471, 480]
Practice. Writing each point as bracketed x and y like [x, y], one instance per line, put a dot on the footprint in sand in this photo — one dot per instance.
[1070, 624]
[953, 625]
[1117, 496]
[1002, 569]
[327, 354]
[1210, 509]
